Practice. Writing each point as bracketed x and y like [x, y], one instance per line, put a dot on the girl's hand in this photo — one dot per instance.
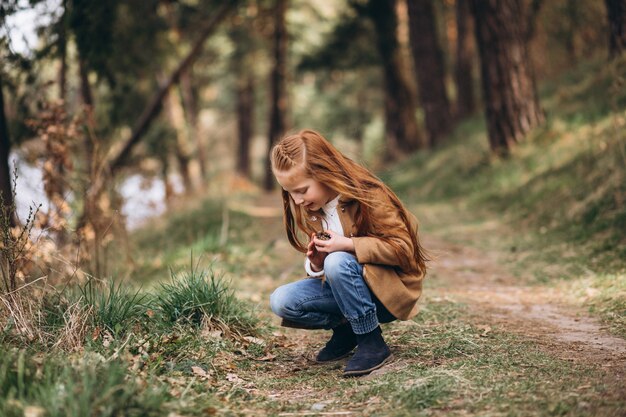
[336, 243]
[315, 257]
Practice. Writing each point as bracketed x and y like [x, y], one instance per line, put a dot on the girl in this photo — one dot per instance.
[363, 259]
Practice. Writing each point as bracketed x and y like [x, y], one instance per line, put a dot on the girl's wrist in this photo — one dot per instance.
[349, 245]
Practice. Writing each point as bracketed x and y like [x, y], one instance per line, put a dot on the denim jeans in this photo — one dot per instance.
[325, 305]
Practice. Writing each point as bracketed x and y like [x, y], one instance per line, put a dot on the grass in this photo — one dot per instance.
[448, 362]
[90, 386]
[198, 295]
[166, 243]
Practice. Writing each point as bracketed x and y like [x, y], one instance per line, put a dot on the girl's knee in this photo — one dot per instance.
[280, 300]
[337, 263]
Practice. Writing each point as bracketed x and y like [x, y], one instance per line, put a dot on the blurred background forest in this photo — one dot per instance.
[134, 138]
[113, 111]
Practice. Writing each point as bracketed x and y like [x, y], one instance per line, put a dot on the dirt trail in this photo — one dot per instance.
[471, 276]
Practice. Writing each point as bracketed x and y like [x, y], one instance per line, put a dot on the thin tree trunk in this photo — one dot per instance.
[571, 9]
[190, 104]
[62, 45]
[278, 105]
[245, 122]
[88, 146]
[6, 191]
[154, 106]
[616, 12]
[511, 101]
[463, 70]
[429, 68]
[401, 130]
[175, 114]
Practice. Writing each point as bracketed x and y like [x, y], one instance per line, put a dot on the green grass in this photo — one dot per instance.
[88, 386]
[166, 243]
[197, 295]
[116, 308]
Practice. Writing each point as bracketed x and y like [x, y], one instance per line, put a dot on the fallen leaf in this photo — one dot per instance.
[268, 357]
[234, 378]
[199, 371]
[96, 333]
[486, 329]
[255, 340]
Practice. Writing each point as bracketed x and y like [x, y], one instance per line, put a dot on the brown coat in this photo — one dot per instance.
[397, 290]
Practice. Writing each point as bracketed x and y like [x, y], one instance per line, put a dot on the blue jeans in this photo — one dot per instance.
[325, 305]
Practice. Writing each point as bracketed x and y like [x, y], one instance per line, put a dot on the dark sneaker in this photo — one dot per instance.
[342, 342]
[371, 354]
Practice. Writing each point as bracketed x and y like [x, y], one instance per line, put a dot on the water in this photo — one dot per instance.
[144, 197]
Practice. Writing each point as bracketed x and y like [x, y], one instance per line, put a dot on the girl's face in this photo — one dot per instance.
[310, 194]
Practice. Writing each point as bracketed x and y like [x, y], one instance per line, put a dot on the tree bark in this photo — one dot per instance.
[6, 190]
[463, 70]
[245, 122]
[88, 145]
[176, 116]
[154, 106]
[510, 95]
[616, 12]
[278, 105]
[190, 105]
[401, 129]
[429, 68]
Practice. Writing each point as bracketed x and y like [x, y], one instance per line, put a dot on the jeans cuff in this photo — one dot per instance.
[364, 324]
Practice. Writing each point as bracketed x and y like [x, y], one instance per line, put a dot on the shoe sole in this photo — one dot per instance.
[362, 372]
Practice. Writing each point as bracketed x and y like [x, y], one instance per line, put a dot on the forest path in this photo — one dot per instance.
[539, 312]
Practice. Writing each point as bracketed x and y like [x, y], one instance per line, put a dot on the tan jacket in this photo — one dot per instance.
[397, 290]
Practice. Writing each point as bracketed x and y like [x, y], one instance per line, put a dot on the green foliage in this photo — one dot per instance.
[194, 296]
[85, 387]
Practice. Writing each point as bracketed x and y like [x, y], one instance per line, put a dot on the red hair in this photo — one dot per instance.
[321, 161]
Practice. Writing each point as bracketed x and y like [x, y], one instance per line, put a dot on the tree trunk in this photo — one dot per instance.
[6, 191]
[176, 116]
[511, 101]
[616, 12]
[401, 129]
[190, 105]
[88, 146]
[62, 45]
[572, 13]
[245, 122]
[465, 100]
[429, 68]
[278, 105]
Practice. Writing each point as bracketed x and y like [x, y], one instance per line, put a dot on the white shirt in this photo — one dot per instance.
[330, 221]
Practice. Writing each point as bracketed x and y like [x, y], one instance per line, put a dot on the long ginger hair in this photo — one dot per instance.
[310, 151]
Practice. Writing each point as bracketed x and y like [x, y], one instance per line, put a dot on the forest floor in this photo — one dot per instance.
[486, 342]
